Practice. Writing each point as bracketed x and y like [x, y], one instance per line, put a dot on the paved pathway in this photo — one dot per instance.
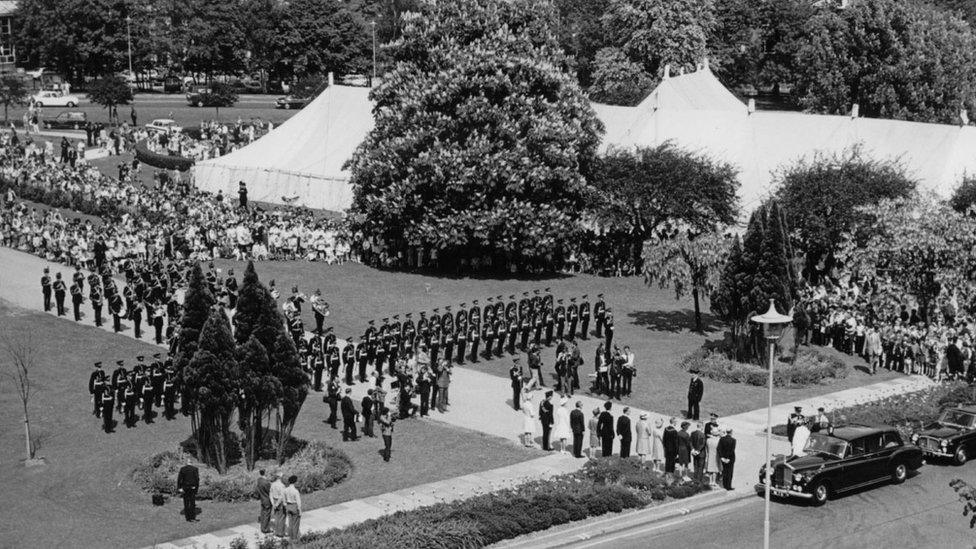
[481, 402]
[352, 512]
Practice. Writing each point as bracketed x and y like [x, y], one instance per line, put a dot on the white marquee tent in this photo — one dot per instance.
[301, 161]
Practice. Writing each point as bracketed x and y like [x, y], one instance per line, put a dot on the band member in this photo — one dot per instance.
[60, 290]
[46, 289]
[320, 308]
[96, 300]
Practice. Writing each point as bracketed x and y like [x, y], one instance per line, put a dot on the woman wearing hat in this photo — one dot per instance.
[528, 418]
[712, 465]
[562, 432]
[643, 429]
[594, 433]
[657, 444]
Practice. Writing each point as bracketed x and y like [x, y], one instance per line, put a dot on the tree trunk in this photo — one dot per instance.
[27, 434]
[698, 322]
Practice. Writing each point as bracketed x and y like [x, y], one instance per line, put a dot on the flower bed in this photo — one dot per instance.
[811, 367]
[603, 486]
[316, 465]
[164, 161]
[908, 412]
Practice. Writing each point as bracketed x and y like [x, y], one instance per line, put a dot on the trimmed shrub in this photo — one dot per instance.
[317, 466]
[811, 367]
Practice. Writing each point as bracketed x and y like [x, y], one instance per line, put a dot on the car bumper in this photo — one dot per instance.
[783, 492]
[936, 453]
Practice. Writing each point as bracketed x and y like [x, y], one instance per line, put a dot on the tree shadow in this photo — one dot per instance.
[674, 321]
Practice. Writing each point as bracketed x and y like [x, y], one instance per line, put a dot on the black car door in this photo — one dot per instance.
[868, 461]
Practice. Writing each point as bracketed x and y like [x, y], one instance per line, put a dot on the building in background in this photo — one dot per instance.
[8, 53]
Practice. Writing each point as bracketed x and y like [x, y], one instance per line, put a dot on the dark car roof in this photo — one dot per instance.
[852, 432]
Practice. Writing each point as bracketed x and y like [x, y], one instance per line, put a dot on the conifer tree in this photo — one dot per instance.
[260, 391]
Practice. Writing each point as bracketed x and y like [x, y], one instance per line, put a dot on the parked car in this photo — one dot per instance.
[163, 125]
[172, 84]
[848, 458]
[290, 102]
[249, 86]
[50, 98]
[194, 97]
[67, 120]
[953, 436]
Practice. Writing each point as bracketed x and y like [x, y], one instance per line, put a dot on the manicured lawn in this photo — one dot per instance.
[83, 496]
[658, 328]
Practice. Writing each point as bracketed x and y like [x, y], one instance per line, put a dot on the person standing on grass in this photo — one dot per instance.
[263, 491]
[386, 430]
[293, 507]
[187, 483]
[277, 495]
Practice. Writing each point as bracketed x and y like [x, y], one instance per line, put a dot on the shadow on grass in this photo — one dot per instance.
[673, 321]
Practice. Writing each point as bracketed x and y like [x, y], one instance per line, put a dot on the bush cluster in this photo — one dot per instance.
[603, 486]
[317, 465]
[164, 161]
[810, 367]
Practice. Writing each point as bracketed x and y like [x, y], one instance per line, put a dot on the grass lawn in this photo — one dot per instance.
[83, 496]
[658, 328]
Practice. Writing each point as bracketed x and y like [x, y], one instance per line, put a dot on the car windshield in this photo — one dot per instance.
[823, 444]
[958, 418]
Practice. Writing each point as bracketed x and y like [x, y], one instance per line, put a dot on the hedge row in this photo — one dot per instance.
[164, 161]
[317, 467]
[603, 486]
[811, 367]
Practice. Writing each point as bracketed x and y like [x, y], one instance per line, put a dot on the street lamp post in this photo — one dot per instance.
[372, 24]
[773, 324]
[128, 36]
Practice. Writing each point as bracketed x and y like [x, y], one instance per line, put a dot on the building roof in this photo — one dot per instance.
[7, 7]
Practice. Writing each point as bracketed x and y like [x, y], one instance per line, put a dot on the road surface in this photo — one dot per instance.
[923, 512]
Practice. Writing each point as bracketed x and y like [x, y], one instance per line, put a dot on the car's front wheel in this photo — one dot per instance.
[198, 104]
[38, 104]
[899, 473]
[287, 106]
[70, 104]
[960, 457]
[820, 493]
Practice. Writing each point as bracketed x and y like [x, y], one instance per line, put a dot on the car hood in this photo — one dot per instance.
[939, 430]
[799, 463]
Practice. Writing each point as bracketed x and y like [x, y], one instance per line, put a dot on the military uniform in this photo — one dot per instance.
[46, 289]
[572, 318]
[349, 360]
[96, 385]
[96, 300]
[599, 313]
[584, 314]
[108, 404]
[60, 289]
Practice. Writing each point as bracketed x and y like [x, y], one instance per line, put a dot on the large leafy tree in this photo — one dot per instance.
[616, 80]
[759, 269]
[654, 33]
[321, 36]
[110, 92]
[821, 198]
[964, 197]
[12, 92]
[639, 191]
[580, 33]
[482, 144]
[920, 244]
[218, 95]
[688, 262]
[904, 60]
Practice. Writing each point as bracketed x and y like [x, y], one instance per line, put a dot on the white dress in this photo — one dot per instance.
[528, 416]
[562, 430]
[711, 460]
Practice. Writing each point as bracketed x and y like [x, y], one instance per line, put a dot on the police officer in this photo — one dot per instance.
[46, 289]
[60, 289]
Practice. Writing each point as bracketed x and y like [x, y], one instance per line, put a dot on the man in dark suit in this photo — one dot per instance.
[670, 443]
[577, 423]
[604, 428]
[696, 388]
[726, 456]
[547, 418]
[263, 491]
[515, 374]
[187, 483]
[698, 453]
[348, 416]
[367, 408]
[623, 430]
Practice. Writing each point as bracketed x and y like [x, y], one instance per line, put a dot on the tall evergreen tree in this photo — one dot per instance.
[197, 304]
[294, 385]
[211, 378]
[260, 392]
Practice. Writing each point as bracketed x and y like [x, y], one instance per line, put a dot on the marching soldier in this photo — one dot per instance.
[131, 399]
[96, 300]
[318, 366]
[584, 314]
[46, 289]
[488, 334]
[501, 333]
[369, 338]
[79, 278]
[361, 360]
[147, 402]
[332, 398]
[77, 298]
[435, 336]
[525, 328]
[108, 404]
[515, 374]
[332, 362]
[157, 320]
[560, 316]
[448, 342]
[296, 328]
[409, 334]
[396, 333]
[169, 397]
[348, 359]
[380, 357]
[121, 384]
[461, 337]
[474, 337]
[549, 321]
[513, 331]
[115, 303]
[423, 329]
[599, 313]
[474, 315]
[135, 313]
[158, 380]
[128, 294]
[572, 317]
[60, 289]
[96, 384]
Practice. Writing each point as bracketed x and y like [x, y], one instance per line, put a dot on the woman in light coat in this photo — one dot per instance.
[657, 444]
[528, 419]
[562, 431]
[644, 435]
